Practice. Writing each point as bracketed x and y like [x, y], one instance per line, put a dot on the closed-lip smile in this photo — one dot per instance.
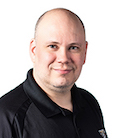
[63, 71]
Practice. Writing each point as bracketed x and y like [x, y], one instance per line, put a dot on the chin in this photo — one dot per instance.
[63, 86]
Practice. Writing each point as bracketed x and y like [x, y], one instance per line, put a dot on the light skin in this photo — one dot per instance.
[58, 53]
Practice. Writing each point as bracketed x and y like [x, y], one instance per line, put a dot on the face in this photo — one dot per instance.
[58, 53]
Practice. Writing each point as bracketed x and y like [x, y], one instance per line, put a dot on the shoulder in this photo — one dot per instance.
[87, 95]
[87, 99]
[10, 102]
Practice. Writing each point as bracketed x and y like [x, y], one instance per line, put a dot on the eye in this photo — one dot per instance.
[53, 46]
[74, 48]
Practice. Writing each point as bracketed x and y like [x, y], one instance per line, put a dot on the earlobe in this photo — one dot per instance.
[32, 49]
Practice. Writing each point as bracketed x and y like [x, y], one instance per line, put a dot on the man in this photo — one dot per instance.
[48, 104]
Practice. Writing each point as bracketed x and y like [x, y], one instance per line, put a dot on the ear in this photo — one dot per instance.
[32, 49]
[86, 45]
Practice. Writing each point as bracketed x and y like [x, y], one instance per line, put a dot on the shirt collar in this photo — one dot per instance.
[43, 102]
[78, 102]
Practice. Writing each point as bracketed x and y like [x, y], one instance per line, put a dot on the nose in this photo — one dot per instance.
[63, 56]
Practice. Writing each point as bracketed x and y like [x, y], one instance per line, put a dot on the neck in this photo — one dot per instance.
[61, 96]
[62, 99]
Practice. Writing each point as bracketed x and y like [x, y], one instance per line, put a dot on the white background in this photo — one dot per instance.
[17, 21]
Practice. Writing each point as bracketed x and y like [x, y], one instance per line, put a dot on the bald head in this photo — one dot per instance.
[58, 50]
[57, 15]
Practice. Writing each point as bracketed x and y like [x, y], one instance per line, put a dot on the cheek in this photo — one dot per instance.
[78, 60]
[44, 58]
[82, 57]
[49, 58]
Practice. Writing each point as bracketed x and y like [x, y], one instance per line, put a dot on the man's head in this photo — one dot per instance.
[58, 50]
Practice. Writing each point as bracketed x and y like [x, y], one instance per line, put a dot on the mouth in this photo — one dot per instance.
[63, 71]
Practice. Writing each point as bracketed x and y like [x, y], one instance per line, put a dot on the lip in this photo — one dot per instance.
[61, 71]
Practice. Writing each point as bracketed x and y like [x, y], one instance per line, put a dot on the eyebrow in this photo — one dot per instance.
[79, 44]
[54, 42]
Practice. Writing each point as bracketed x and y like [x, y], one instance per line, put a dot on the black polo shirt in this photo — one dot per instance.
[27, 112]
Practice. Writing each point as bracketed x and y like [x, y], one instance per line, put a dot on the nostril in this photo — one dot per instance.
[63, 61]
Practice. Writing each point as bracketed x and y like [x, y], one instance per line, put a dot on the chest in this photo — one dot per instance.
[83, 125]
